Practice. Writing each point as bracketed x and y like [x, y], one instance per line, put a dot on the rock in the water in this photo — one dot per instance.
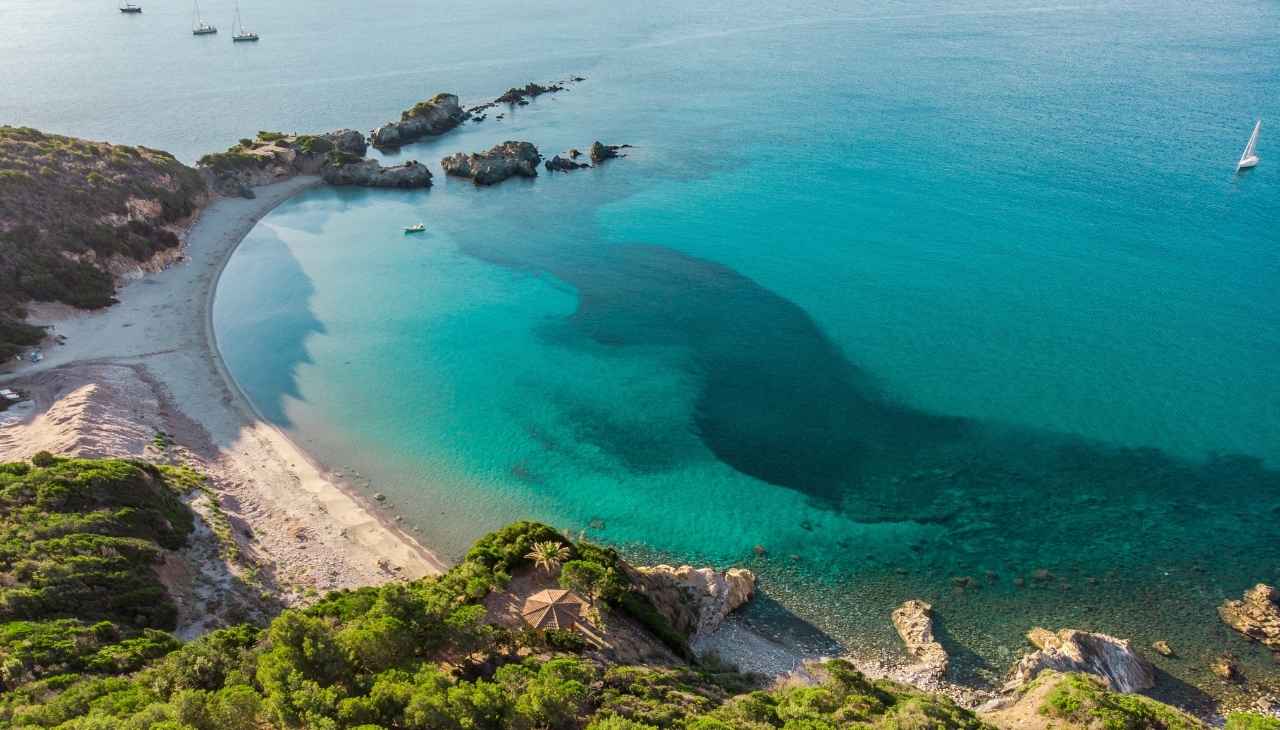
[1069, 650]
[601, 152]
[1225, 667]
[914, 622]
[496, 165]
[560, 164]
[1162, 648]
[1257, 616]
[371, 174]
[434, 116]
[531, 90]
[696, 600]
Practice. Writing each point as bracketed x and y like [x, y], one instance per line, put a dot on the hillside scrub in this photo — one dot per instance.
[78, 542]
[67, 207]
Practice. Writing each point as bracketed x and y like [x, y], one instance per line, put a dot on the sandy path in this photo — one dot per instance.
[150, 364]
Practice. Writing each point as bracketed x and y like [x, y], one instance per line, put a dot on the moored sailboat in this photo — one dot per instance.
[239, 34]
[1249, 157]
[198, 26]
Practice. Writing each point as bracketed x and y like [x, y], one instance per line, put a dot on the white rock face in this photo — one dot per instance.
[1069, 650]
[696, 600]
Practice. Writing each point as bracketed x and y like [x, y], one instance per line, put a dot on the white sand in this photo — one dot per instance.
[149, 364]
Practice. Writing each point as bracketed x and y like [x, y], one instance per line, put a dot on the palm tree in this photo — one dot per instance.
[548, 555]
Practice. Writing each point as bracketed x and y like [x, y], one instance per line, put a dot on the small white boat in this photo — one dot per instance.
[198, 26]
[415, 228]
[1249, 157]
[239, 34]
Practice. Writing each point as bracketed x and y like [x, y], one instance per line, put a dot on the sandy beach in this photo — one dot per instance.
[149, 365]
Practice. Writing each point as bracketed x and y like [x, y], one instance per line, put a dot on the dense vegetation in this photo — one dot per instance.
[66, 206]
[78, 539]
[81, 645]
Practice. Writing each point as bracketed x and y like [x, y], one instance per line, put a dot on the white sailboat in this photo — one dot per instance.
[198, 26]
[239, 34]
[1249, 157]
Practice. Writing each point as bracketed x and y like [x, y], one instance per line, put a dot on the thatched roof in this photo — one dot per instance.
[553, 609]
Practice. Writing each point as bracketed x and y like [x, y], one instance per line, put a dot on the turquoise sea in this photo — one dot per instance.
[958, 300]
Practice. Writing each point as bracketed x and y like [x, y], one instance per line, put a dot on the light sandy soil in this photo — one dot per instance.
[149, 365]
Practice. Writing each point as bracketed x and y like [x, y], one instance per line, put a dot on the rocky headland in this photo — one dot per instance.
[695, 600]
[1110, 659]
[432, 117]
[502, 161]
[272, 157]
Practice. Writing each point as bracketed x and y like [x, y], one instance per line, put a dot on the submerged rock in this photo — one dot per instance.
[1257, 616]
[434, 116]
[371, 174]
[696, 600]
[498, 164]
[914, 622]
[1225, 667]
[1069, 650]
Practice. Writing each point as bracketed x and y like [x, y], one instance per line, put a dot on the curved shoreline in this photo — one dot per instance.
[150, 364]
[250, 410]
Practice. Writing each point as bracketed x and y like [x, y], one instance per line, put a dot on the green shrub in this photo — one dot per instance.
[1085, 700]
[1251, 721]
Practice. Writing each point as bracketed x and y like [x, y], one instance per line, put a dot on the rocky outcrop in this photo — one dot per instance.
[371, 174]
[520, 96]
[1069, 650]
[560, 164]
[272, 157]
[695, 600]
[914, 622]
[498, 164]
[434, 116]
[1257, 616]
[601, 152]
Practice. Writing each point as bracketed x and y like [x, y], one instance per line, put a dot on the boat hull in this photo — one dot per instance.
[247, 39]
[1246, 163]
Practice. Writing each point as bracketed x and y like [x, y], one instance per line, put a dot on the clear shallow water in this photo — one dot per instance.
[911, 295]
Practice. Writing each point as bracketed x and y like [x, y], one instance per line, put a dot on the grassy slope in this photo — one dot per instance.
[62, 197]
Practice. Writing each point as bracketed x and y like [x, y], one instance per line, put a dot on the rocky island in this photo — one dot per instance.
[499, 163]
[434, 116]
